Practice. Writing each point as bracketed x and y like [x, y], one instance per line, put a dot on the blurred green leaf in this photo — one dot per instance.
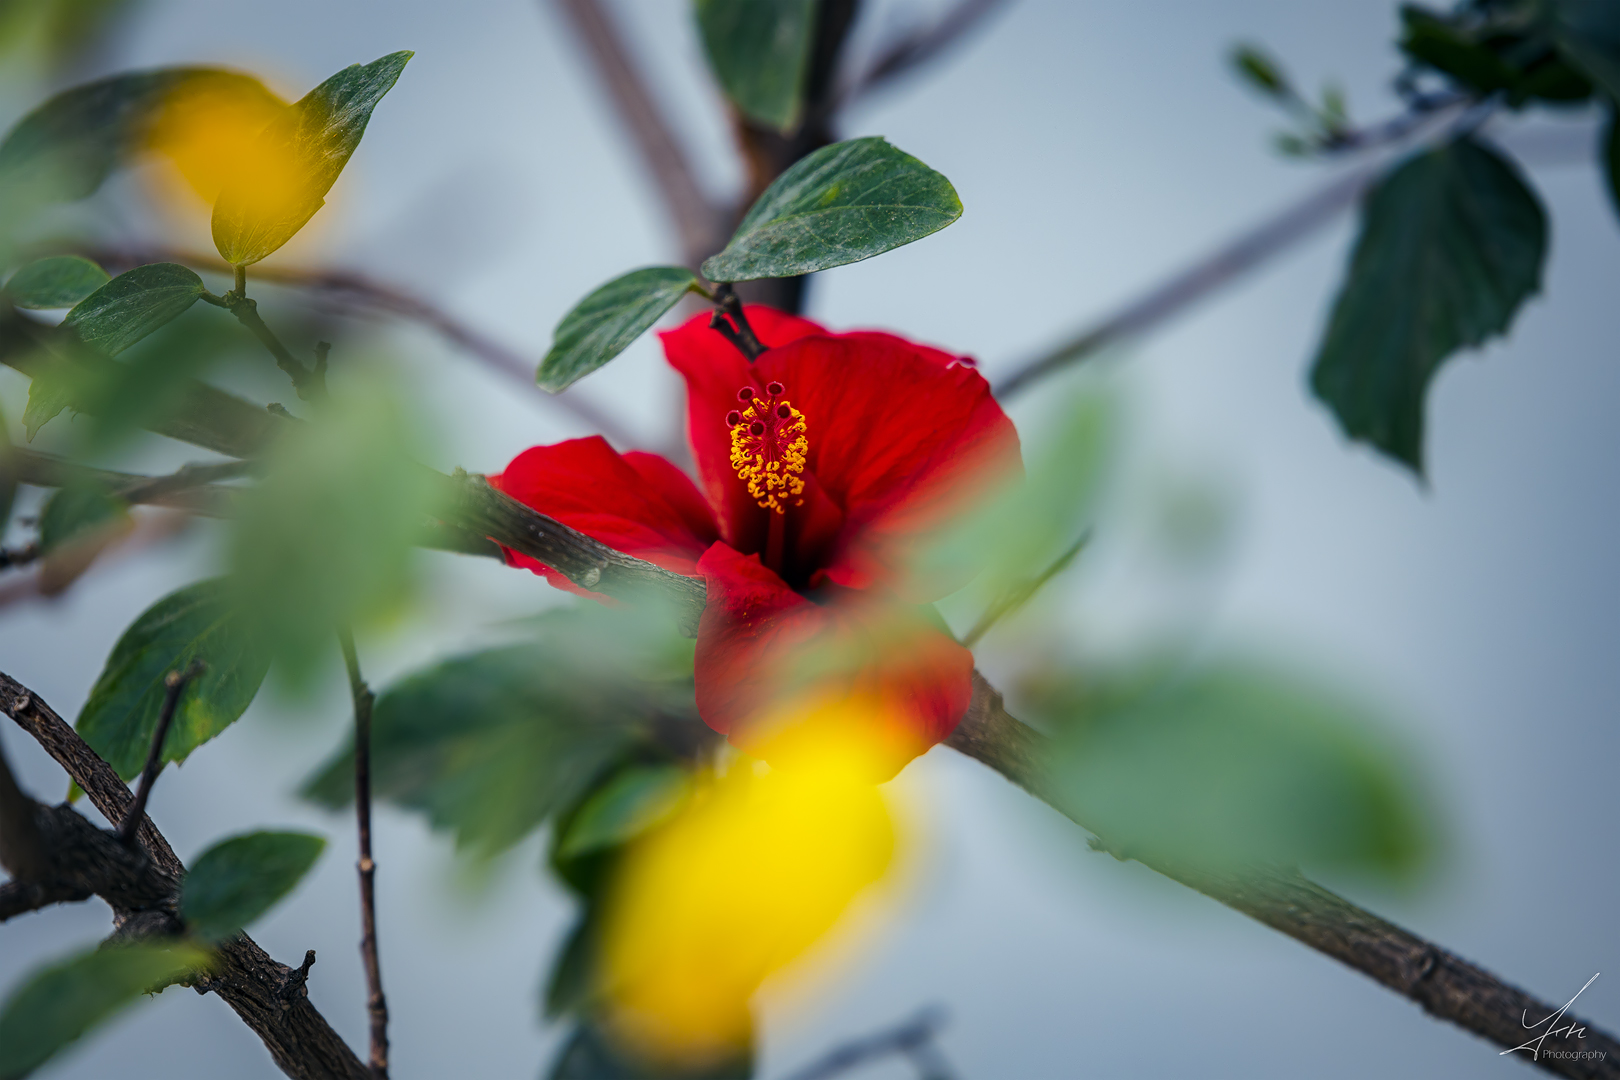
[590, 1055]
[844, 203]
[759, 51]
[1437, 41]
[55, 385]
[237, 880]
[632, 802]
[1260, 71]
[76, 510]
[1588, 32]
[1609, 152]
[198, 622]
[1233, 764]
[132, 305]
[572, 982]
[488, 745]
[60, 1002]
[311, 142]
[1452, 243]
[603, 325]
[56, 282]
[8, 475]
[66, 147]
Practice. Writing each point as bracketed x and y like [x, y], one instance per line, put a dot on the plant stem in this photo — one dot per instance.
[376, 1004]
[174, 684]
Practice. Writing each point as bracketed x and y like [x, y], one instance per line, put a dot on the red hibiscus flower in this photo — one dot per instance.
[825, 466]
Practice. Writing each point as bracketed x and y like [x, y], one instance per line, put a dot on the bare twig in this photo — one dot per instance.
[174, 684]
[19, 556]
[310, 383]
[690, 211]
[918, 48]
[376, 1003]
[1019, 595]
[913, 1038]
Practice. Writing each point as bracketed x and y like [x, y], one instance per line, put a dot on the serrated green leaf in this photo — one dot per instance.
[1451, 244]
[198, 622]
[132, 305]
[844, 203]
[61, 1002]
[305, 150]
[625, 807]
[237, 880]
[759, 51]
[66, 147]
[56, 282]
[488, 745]
[1233, 764]
[1588, 32]
[603, 325]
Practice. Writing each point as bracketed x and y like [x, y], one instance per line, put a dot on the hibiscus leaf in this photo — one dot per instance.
[239, 879]
[1233, 763]
[60, 1002]
[132, 305]
[844, 203]
[603, 325]
[56, 282]
[198, 622]
[629, 804]
[759, 51]
[1452, 243]
[298, 158]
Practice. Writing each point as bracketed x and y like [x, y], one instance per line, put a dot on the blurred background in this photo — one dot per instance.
[1097, 148]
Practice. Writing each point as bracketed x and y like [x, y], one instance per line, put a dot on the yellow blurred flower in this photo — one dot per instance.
[208, 127]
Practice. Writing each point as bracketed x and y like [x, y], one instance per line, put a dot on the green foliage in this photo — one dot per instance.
[1231, 764]
[603, 325]
[1486, 50]
[488, 745]
[315, 138]
[132, 305]
[844, 203]
[56, 282]
[237, 880]
[66, 147]
[198, 622]
[8, 476]
[759, 51]
[75, 511]
[1261, 71]
[325, 539]
[54, 386]
[626, 806]
[1588, 32]
[62, 1001]
[590, 1055]
[1451, 244]
[1610, 154]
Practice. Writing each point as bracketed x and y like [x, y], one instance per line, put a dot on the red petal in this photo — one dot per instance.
[639, 503]
[759, 640]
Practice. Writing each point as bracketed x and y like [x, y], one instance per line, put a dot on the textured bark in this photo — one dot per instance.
[142, 887]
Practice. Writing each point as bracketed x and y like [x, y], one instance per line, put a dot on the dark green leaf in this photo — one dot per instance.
[488, 745]
[572, 982]
[237, 880]
[1234, 764]
[1439, 43]
[631, 803]
[8, 475]
[198, 622]
[1451, 244]
[74, 511]
[759, 51]
[590, 1055]
[844, 203]
[1610, 154]
[603, 325]
[59, 1003]
[53, 387]
[57, 282]
[132, 305]
[312, 142]
[1588, 32]
[1260, 71]
[65, 148]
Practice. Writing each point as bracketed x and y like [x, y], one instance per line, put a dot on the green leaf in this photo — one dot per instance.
[488, 745]
[1439, 43]
[326, 538]
[54, 386]
[1451, 244]
[59, 1003]
[75, 511]
[589, 1054]
[1609, 152]
[1260, 71]
[65, 148]
[57, 282]
[198, 622]
[625, 807]
[132, 305]
[1588, 32]
[603, 325]
[1234, 764]
[844, 203]
[308, 148]
[759, 51]
[573, 978]
[8, 475]
[237, 880]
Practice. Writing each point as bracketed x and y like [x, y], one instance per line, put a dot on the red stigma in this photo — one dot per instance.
[756, 428]
[784, 411]
[746, 394]
[773, 389]
[733, 418]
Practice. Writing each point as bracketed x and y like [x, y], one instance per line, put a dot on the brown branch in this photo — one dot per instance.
[174, 684]
[690, 211]
[269, 997]
[913, 1039]
[1445, 985]
[916, 49]
[376, 1003]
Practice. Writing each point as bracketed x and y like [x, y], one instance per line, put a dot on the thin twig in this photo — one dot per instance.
[19, 556]
[174, 684]
[691, 212]
[919, 47]
[1019, 595]
[913, 1038]
[738, 331]
[376, 1004]
[309, 382]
